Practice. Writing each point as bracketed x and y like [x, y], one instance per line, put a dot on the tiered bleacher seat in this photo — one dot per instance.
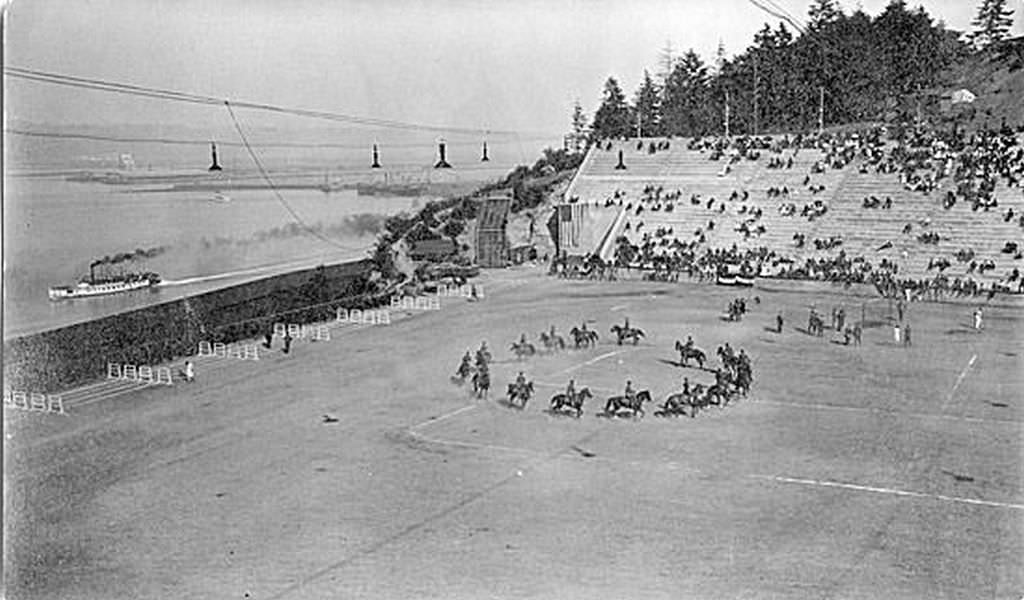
[863, 230]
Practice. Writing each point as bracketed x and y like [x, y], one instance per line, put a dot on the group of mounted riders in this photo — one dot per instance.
[477, 369]
[582, 337]
[732, 379]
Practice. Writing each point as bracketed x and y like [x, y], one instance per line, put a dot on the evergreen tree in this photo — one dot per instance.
[612, 118]
[686, 110]
[719, 58]
[822, 13]
[647, 107]
[992, 22]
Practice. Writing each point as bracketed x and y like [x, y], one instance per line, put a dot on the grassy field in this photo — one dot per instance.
[850, 472]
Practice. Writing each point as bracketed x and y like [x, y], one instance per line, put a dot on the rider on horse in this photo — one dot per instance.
[483, 355]
[686, 386]
[630, 394]
[689, 344]
[570, 390]
[520, 380]
[466, 364]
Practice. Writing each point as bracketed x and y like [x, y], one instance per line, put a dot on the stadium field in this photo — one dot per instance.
[354, 468]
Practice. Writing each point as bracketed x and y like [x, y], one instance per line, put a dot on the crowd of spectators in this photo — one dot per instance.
[966, 167]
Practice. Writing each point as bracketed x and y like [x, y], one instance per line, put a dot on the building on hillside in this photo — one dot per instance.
[521, 254]
[433, 250]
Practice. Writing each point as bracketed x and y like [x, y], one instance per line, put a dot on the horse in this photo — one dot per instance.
[685, 354]
[464, 371]
[521, 392]
[815, 325]
[634, 405]
[627, 333]
[575, 402]
[583, 338]
[720, 392]
[523, 349]
[552, 342]
[481, 384]
[676, 404]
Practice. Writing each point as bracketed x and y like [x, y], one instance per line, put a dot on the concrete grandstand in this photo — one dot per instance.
[680, 185]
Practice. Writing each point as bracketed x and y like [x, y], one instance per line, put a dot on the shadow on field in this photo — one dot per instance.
[564, 413]
[676, 363]
[504, 401]
[959, 330]
[958, 477]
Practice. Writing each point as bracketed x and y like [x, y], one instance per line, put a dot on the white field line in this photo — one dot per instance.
[446, 415]
[619, 307]
[675, 466]
[883, 490]
[861, 409]
[474, 445]
[959, 380]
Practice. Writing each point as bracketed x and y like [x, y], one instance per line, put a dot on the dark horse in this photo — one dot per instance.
[575, 402]
[676, 404]
[685, 354]
[627, 333]
[520, 393]
[583, 337]
[481, 383]
[523, 349]
[635, 405]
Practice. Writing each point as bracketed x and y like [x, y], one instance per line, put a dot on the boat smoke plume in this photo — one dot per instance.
[138, 254]
[354, 225]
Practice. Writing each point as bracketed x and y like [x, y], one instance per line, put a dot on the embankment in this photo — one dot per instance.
[60, 358]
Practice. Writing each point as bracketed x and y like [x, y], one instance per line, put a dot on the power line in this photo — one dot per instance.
[206, 142]
[780, 13]
[185, 97]
[266, 177]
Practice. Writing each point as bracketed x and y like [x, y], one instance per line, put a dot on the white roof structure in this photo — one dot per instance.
[963, 96]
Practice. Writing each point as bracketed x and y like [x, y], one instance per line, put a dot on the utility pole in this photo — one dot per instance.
[726, 113]
[756, 111]
[821, 110]
[639, 131]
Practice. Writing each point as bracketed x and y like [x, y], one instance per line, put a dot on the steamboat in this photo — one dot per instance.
[104, 285]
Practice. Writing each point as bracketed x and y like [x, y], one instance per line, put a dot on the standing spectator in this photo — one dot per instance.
[906, 335]
[287, 342]
[778, 323]
[977, 319]
[896, 333]
[189, 372]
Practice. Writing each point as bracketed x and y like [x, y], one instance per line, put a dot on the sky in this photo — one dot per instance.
[452, 63]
